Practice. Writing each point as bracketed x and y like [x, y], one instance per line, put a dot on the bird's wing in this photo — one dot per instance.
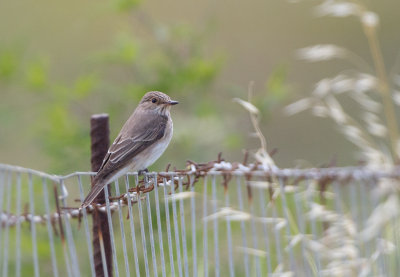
[132, 140]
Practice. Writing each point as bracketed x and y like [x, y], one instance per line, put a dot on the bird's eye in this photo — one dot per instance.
[154, 100]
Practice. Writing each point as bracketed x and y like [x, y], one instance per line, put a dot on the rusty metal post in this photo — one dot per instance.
[100, 141]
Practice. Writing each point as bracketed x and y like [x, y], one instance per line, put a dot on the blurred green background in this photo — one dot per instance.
[62, 61]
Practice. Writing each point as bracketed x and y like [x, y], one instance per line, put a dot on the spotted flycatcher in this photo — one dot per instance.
[141, 141]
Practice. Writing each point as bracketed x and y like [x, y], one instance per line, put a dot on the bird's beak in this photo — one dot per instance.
[172, 102]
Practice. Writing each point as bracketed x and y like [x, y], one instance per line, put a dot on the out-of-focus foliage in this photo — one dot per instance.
[113, 80]
[9, 62]
[47, 109]
[375, 133]
[277, 90]
[36, 74]
[126, 5]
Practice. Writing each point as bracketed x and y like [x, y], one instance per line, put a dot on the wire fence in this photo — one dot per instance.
[215, 219]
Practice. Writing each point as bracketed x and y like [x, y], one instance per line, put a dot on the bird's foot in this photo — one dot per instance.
[141, 172]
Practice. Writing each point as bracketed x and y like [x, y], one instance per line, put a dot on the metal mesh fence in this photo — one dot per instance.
[221, 222]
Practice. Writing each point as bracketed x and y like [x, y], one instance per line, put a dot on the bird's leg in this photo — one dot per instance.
[141, 172]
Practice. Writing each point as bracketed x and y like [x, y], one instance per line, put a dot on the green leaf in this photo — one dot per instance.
[233, 141]
[9, 61]
[276, 91]
[36, 75]
[276, 85]
[125, 49]
[84, 85]
[126, 5]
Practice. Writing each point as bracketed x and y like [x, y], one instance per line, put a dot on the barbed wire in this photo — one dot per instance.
[239, 169]
[192, 173]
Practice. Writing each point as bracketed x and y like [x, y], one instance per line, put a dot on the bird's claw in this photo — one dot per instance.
[141, 172]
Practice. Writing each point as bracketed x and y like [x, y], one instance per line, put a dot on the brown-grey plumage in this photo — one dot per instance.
[141, 141]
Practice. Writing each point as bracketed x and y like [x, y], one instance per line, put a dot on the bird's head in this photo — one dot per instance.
[157, 101]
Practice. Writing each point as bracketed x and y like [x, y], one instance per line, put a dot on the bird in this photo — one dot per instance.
[142, 140]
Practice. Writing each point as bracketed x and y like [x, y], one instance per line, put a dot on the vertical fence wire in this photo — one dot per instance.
[265, 228]
[396, 239]
[2, 177]
[215, 226]
[68, 230]
[159, 227]
[49, 228]
[65, 250]
[110, 226]
[375, 200]
[309, 199]
[205, 230]
[122, 229]
[243, 227]
[183, 229]
[286, 215]
[142, 231]
[277, 236]
[340, 210]
[87, 230]
[168, 226]
[7, 229]
[176, 227]
[150, 223]
[355, 212]
[302, 232]
[18, 229]
[193, 223]
[33, 226]
[254, 237]
[364, 210]
[229, 237]
[103, 255]
[132, 226]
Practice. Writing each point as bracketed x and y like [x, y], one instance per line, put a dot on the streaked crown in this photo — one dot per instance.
[155, 96]
[157, 101]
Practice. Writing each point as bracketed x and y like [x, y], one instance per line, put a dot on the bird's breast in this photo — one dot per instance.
[154, 151]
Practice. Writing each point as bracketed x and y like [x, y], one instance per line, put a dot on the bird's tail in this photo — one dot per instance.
[96, 189]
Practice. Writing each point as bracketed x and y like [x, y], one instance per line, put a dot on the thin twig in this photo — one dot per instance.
[384, 87]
